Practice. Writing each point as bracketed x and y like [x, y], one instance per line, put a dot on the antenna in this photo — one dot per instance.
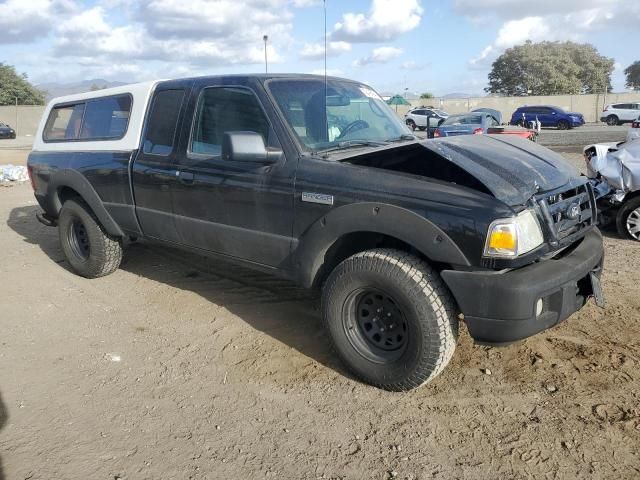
[326, 117]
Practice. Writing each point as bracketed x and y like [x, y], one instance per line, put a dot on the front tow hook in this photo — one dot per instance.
[46, 220]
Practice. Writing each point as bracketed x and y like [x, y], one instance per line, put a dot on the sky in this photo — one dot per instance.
[423, 46]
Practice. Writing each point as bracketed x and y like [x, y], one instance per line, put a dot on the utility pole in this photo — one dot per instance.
[16, 124]
[265, 38]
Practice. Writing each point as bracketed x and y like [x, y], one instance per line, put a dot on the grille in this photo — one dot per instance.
[567, 213]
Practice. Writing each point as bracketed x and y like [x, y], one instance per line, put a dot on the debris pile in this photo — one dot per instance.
[13, 173]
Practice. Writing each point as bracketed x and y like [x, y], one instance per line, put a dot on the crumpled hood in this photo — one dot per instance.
[513, 169]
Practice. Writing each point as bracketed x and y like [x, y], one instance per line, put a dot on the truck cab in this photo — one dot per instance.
[318, 181]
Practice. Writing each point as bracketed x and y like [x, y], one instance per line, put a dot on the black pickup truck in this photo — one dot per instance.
[320, 182]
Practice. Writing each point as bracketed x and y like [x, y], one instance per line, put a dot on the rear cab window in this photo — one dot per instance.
[159, 137]
[104, 118]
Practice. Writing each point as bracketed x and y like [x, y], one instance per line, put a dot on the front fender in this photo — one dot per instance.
[390, 220]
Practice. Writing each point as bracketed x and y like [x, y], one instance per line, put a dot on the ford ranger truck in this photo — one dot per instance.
[321, 183]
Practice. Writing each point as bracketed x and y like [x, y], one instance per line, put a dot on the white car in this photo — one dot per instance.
[634, 131]
[619, 113]
[422, 117]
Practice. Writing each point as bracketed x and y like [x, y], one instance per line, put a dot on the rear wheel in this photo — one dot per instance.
[89, 249]
[391, 318]
[563, 125]
[411, 124]
[612, 120]
[628, 219]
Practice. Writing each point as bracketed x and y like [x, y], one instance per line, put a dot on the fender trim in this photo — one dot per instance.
[78, 182]
[400, 223]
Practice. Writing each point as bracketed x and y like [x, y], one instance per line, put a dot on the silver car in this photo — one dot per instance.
[423, 117]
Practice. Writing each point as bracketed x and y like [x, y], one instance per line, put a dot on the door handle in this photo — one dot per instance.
[185, 178]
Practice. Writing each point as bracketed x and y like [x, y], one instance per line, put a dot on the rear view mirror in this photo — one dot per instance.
[337, 101]
[247, 147]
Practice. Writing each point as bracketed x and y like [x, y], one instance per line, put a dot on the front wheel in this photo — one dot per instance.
[89, 249]
[612, 120]
[628, 219]
[563, 125]
[391, 319]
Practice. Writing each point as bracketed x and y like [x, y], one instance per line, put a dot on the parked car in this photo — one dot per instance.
[6, 131]
[615, 167]
[497, 114]
[619, 113]
[466, 124]
[634, 131]
[318, 181]
[423, 117]
[548, 116]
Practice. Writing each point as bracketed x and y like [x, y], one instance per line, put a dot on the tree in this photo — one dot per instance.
[550, 68]
[13, 85]
[633, 75]
[426, 95]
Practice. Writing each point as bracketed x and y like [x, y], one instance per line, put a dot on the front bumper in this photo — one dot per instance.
[500, 307]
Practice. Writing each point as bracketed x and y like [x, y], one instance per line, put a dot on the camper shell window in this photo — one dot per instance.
[105, 118]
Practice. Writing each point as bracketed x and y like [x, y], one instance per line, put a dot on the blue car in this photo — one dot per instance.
[473, 123]
[548, 116]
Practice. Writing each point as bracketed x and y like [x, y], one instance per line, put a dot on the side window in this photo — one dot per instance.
[492, 121]
[225, 109]
[161, 127]
[106, 118]
[64, 123]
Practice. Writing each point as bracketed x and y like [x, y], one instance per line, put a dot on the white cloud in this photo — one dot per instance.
[197, 32]
[386, 20]
[315, 51]
[546, 20]
[23, 21]
[306, 3]
[379, 55]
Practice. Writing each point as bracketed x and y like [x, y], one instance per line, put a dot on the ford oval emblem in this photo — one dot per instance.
[573, 211]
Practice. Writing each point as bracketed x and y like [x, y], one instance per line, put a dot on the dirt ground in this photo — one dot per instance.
[179, 367]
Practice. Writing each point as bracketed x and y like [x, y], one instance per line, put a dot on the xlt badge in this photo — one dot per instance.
[317, 198]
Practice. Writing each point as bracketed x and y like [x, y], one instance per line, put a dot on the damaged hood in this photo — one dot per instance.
[617, 163]
[512, 169]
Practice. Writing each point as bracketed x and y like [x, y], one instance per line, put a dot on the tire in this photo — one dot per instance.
[628, 219]
[89, 249]
[411, 124]
[412, 299]
[563, 125]
[612, 120]
[422, 129]
[520, 123]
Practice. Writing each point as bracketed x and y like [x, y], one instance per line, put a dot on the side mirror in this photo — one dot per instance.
[247, 147]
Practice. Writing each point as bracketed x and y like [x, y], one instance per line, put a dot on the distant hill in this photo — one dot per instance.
[55, 89]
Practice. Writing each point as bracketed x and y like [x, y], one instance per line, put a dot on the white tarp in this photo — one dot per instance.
[618, 164]
[13, 173]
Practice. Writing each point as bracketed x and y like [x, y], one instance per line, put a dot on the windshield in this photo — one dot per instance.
[350, 112]
[463, 120]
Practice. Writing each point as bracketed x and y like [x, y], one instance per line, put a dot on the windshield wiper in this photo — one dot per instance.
[351, 144]
[404, 136]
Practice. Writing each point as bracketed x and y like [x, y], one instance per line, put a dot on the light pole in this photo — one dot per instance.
[265, 38]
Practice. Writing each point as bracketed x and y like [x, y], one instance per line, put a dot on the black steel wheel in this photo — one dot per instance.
[89, 249]
[390, 317]
[79, 240]
[375, 325]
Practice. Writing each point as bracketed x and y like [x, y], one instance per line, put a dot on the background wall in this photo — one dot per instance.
[24, 119]
[589, 105]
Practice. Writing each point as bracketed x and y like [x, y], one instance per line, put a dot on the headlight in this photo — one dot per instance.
[510, 237]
